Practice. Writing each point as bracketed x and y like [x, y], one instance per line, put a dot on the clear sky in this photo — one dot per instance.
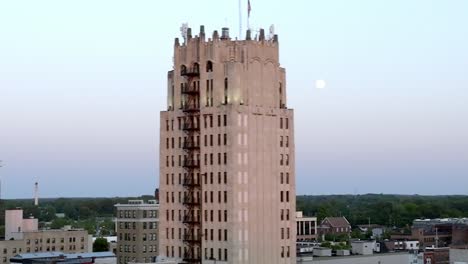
[82, 84]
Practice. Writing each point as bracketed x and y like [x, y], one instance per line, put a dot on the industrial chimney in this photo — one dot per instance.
[36, 194]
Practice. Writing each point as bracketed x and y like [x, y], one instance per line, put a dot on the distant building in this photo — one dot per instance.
[364, 247]
[306, 227]
[437, 232]
[436, 256]
[60, 257]
[335, 226]
[385, 258]
[376, 230]
[458, 256]
[137, 231]
[399, 245]
[24, 236]
[460, 235]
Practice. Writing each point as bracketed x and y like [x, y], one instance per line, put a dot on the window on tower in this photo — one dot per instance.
[225, 91]
[209, 66]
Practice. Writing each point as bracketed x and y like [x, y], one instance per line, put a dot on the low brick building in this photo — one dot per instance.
[335, 226]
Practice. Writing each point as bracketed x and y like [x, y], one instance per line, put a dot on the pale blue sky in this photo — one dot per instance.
[82, 84]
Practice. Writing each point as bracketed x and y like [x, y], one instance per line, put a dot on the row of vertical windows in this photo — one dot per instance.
[284, 141]
[124, 260]
[221, 217]
[221, 236]
[133, 237]
[221, 198]
[284, 178]
[208, 159]
[284, 159]
[194, 121]
[220, 256]
[195, 141]
[285, 233]
[222, 158]
[209, 198]
[208, 120]
[133, 214]
[284, 215]
[209, 178]
[170, 197]
[209, 253]
[285, 252]
[284, 196]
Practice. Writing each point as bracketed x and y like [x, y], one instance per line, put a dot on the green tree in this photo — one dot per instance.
[100, 245]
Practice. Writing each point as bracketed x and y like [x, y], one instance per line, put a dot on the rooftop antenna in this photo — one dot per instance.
[183, 31]
[249, 8]
[240, 20]
[272, 32]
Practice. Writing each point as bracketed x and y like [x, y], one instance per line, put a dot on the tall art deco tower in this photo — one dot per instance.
[227, 183]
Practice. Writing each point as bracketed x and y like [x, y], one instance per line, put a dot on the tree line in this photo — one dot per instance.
[383, 209]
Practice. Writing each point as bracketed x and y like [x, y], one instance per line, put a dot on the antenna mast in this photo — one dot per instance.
[240, 20]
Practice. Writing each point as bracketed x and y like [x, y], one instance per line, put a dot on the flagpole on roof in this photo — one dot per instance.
[248, 14]
[240, 20]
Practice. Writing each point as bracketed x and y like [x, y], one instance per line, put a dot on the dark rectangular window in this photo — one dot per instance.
[219, 120]
[225, 139]
[225, 120]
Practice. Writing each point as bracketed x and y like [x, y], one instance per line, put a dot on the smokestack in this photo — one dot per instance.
[36, 194]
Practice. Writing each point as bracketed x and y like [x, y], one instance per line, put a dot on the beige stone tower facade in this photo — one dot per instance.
[227, 177]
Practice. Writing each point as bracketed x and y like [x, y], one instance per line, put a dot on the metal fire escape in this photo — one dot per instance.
[192, 183]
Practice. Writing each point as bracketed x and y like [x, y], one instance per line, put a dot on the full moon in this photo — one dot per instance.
[320, 84]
